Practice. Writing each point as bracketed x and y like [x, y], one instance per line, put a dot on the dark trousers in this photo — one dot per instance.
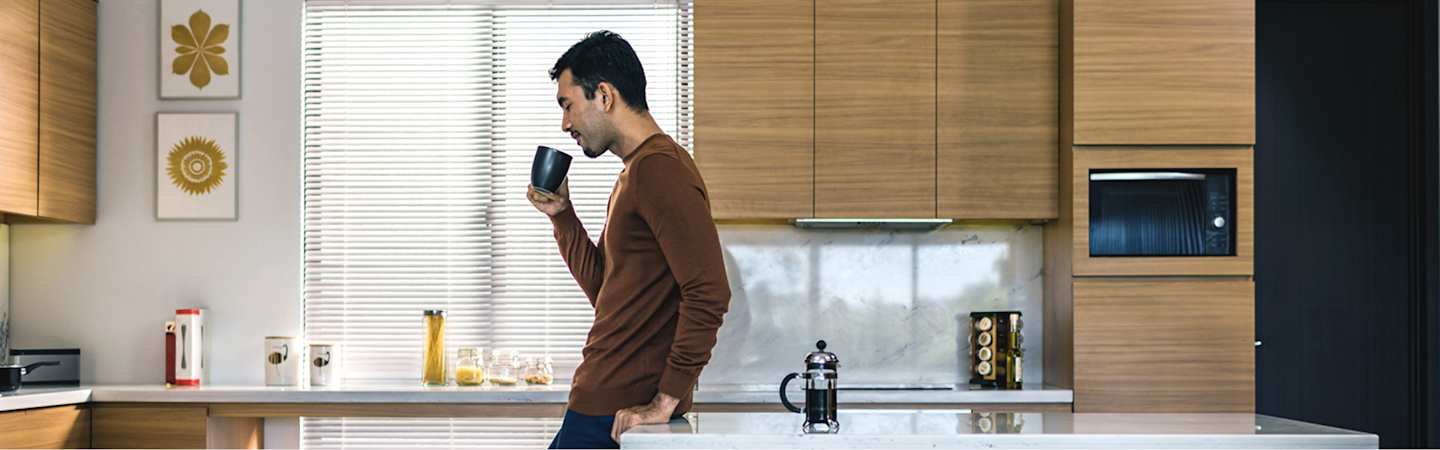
[582, 431]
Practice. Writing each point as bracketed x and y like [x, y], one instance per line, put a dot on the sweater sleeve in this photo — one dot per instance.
[586, 260]
[678, 214]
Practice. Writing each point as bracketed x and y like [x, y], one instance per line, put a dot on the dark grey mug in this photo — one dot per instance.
[549, 168]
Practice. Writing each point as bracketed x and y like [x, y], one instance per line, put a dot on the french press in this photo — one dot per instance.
[820, 379]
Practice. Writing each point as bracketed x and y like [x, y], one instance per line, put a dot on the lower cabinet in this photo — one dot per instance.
[1164, 345]
[54, 427]
[164, 426]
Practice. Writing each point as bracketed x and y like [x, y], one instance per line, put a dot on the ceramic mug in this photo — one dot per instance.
[282, 361]
[324, 364]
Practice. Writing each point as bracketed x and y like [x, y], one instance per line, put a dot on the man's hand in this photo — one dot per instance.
[551, 204]
[657, 411]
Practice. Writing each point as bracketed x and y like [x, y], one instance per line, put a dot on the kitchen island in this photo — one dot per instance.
[867, 429]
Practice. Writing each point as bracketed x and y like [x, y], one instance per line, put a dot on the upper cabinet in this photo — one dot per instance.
[47, 110]
[1163, 71]
[754, 102]
[875, 108]
[878, 109]
[998, 94]
[67, 110]
[19, 97]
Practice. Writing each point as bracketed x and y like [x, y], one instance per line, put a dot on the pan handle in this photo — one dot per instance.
[31, 367]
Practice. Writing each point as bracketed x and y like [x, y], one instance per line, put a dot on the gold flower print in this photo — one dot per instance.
[201, 50]
[196, 165]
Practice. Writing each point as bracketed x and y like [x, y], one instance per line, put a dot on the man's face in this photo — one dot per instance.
[582, 117]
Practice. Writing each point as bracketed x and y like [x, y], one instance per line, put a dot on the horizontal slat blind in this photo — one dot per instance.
[421, 118]
[398, 128]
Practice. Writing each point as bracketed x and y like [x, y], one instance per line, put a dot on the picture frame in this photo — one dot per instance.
[196, 166]
[199, 51]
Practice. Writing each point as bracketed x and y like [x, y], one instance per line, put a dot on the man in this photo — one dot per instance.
[656, 277]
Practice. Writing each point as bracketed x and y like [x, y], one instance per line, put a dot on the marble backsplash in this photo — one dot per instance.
[892, 305]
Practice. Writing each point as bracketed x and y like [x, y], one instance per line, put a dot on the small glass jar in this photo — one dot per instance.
[503, 370]
[469, 367]
[432, 372]
[540, 371]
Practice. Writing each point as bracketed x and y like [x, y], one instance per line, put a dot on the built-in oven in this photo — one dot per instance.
[1162, 212]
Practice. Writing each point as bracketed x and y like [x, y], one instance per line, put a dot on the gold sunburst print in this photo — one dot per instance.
[196, 165]
[201, 50]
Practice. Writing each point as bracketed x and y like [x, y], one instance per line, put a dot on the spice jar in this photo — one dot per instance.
[469, 367]
[433, 373]
[540, 371]
[503, 370]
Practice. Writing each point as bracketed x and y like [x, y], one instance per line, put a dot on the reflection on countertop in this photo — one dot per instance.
[962, 429]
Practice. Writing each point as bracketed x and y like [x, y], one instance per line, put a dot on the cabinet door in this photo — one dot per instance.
[53, 427]
[1164, 71]
[67, 110]
[998, 99]
[1164, 345]
[19, 100]
[754, 107]
[875, 108]
[146, 426]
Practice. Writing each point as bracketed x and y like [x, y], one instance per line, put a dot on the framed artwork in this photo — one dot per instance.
[199, 49]
[196, 166]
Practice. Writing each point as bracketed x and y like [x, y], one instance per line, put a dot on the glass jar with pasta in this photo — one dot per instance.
[432, 372]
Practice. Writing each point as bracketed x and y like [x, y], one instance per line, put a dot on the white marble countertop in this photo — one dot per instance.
[709, 394]
[27, 398]
[861, 429]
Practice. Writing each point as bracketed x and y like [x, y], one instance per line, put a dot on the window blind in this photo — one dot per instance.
[421, 119]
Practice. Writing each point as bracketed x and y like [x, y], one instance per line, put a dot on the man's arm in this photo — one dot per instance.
[585, 259]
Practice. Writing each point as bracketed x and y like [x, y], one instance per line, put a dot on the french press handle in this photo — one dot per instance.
[786, 400]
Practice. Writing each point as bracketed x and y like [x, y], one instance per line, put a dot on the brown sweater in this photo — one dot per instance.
[656, 279]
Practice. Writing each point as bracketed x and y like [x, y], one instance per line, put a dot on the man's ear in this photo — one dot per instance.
[606, 93]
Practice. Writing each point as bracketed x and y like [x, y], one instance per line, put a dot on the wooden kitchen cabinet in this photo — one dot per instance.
[1164, 345]
[67, 110]
[19, 111]
[47, 110]
[1162, 71]
[141, 425]
[54, 427]
[998, 101]
[875, 108]
[754, 107]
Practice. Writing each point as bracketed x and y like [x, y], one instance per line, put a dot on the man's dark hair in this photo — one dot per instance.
[605, 56]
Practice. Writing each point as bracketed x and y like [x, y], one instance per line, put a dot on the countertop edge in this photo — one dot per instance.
[36, 398]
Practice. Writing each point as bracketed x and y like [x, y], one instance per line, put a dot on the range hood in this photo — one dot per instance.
[869, 224]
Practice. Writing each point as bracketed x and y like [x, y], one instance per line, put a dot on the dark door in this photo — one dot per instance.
[1343, 195]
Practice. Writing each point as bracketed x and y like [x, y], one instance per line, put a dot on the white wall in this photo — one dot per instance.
[108, 288]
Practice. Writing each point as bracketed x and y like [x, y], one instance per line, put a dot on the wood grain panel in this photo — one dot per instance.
[1164, 345]
[997, 100]
[754, 107]
[67, 110]
[1059, 237]
[1164, 72]
[54, 427]
[1239, 158]
[19, 105]
[875, 108]
[148, 426]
